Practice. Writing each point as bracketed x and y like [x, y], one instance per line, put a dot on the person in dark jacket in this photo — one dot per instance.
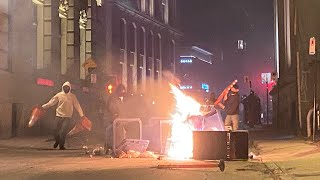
[231, 107]
[251, 109]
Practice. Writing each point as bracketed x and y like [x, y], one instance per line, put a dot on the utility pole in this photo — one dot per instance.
[267, 103]
[312, 52]
[315, 100]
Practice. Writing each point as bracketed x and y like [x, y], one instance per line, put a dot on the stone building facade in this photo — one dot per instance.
[46, 42]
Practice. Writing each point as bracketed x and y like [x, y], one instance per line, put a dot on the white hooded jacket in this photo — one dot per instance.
[66, 102]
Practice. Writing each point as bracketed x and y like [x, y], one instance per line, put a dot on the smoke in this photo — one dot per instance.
[153, 98]
[4, 6]
[3, 37]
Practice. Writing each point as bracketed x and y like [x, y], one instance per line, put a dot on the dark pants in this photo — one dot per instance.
[61, 130]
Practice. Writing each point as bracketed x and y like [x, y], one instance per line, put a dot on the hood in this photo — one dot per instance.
[66, 84]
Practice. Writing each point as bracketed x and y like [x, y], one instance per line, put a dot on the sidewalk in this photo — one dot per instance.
[287, 157]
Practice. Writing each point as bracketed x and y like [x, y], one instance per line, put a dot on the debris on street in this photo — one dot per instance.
[134, 154]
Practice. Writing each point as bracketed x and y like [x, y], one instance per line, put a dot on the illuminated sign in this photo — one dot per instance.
[265, 78]
[240, 44]
[204, 86]
[45, 82]
[185, 87]
[186, 59]
[312, 46]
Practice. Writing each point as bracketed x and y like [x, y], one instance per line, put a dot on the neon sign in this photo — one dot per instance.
[45, 82]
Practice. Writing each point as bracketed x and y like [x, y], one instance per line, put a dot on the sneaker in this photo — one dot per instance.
[55, 145]
[62, 148]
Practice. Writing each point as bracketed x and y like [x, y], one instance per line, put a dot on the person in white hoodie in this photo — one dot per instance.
[64, 111]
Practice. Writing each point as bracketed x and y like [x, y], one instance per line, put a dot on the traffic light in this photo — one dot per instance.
[110, 88]
[111, 84]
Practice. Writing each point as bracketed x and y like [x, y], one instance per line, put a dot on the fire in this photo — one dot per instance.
[181, 134]
[181, 145]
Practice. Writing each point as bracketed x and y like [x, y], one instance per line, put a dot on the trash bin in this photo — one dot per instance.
[209, 145]
[239, 145]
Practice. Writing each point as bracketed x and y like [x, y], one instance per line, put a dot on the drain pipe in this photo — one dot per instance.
[309, 115]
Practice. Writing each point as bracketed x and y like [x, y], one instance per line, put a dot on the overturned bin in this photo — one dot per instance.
[209, 145]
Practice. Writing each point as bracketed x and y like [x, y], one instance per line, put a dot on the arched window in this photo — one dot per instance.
[142, 34]
[172, 57]
[141, 54]
[150, 44]
[157, 47]
[157, 62]
[123, 25]
[132, 37]
[149, 53]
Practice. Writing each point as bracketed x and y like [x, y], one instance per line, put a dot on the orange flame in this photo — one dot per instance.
[181, 133]
[181, 145]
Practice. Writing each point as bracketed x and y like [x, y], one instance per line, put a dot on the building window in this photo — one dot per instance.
[172, 12]
[151, 7]
[158, 47]
[161, 10]
[135, 4]
[143, 5]
[132, 38]
[149, 53]
[150, 44]
[157, 62]
[157, 10]
[172, 56]
[147, 6]
[139, 4]
[132, 44]
[141, 40]
[42, 19]
[140, 68]
[163, 6]
[122, 34]
[4, 38]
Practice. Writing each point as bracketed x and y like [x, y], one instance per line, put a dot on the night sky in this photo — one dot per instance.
[216, 25]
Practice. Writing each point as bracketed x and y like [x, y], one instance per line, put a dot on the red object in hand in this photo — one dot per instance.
[76, 129]
[86, 123]
[36, 114]
[224, 92]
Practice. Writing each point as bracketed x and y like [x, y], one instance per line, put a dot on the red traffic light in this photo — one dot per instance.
[109, 88]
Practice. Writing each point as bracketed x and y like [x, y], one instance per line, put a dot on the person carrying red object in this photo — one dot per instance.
[36, 114]
[66, 102]
[231, 106]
